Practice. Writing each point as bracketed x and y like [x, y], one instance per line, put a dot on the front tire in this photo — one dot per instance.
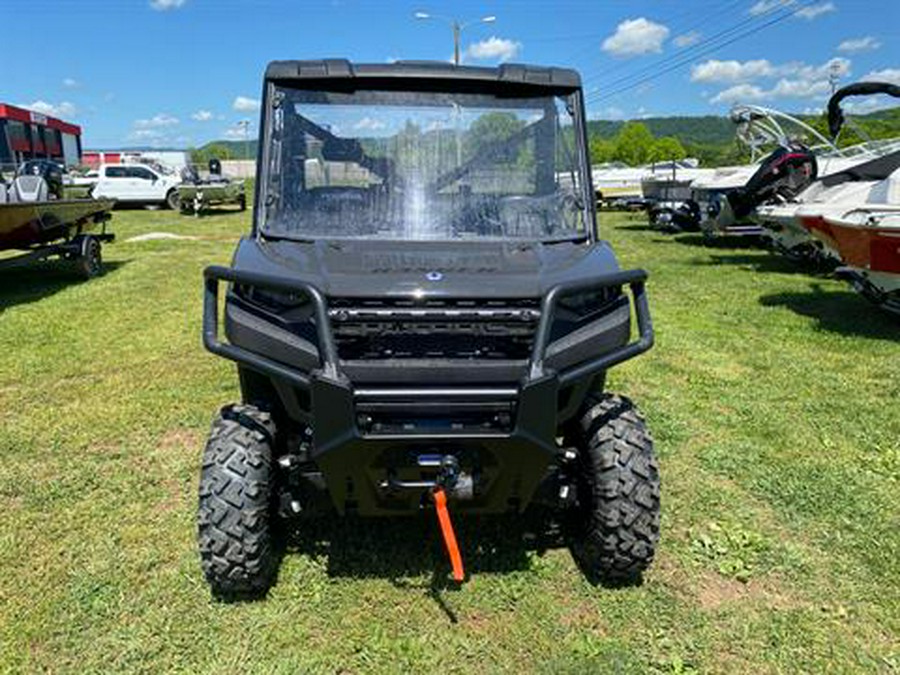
[173, 201]
[617, 528]
[235, 510]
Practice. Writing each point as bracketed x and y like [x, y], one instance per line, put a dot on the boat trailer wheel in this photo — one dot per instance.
[89, 257]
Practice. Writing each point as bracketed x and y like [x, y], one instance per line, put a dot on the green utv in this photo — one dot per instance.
[422, 319]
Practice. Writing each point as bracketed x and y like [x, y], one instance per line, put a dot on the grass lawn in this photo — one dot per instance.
[773, 396]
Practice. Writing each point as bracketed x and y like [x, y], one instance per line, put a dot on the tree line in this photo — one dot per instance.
[711, 139]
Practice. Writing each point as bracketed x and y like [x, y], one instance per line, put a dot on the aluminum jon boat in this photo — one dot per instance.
[40, 226]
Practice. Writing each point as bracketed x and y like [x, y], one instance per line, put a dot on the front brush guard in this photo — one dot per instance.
[330, 365]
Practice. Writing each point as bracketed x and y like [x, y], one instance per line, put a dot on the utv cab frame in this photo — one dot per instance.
[422, 319]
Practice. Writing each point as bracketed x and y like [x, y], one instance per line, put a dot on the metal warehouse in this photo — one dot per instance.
[25, 134]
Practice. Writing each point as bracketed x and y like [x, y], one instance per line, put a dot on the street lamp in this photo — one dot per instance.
[456, 26]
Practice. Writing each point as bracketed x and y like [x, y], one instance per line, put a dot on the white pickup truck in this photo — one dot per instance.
[136, 184]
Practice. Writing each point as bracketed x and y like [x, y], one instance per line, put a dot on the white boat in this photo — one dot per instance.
[798, 226]
[730, 200]
[616, 181]
[865, 233]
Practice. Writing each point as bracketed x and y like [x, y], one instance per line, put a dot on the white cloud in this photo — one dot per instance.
[237, 134]
[165, 5]
[63, 109]
[766, 6]
[369, 124]
[634, 37]
[891, 75]
[71, 83]
[687, 39]
[245, 104]
[160, 120]
[798, 80]
[863, 44]
[494, 48]
[799, 89]
[809, 12]
[862, 106]
[145, 134]
[838, 65]
[609, 113]
[202, 116]
[739, 93]
[812, 11]
[731, 71]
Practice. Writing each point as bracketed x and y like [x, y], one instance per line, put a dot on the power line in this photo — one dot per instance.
[686, 50]
[680, 61]
[713, 42]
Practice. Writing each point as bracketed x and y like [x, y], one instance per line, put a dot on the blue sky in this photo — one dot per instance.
[182, 72]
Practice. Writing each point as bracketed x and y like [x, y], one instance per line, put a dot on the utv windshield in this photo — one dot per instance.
[421, 165]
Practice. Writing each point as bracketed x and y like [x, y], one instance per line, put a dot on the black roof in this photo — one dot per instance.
[342, 69]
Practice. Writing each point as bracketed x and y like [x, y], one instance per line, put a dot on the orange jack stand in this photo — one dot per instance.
[440, 505]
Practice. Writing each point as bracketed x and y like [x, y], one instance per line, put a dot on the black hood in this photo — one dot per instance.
[365, 268]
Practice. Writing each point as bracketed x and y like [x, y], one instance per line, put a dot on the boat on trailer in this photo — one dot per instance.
[869, 242]
[37, 224]
[730, 200]
[798, 227]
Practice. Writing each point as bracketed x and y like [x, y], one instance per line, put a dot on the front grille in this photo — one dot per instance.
[366, 329]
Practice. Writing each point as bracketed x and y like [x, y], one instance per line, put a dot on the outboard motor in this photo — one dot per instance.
[215, 167]
[785, 173]
[39, 180]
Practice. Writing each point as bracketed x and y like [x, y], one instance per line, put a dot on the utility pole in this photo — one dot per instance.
[457, 28]
[245, 125]
[834, 76]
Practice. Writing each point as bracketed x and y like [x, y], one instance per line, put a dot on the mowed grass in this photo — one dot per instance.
[773, 396]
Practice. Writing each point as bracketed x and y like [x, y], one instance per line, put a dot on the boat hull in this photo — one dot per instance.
[870, 244]
[24, 225]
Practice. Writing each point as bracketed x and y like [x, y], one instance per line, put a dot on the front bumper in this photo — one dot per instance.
[368, 441]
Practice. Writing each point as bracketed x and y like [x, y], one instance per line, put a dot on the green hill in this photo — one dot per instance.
[709, 137]
[705, 129]
[224, 150]
[718, 130]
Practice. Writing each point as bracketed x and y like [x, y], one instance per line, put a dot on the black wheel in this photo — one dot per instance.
[173, 201]
[242, 202]
[617, 528]
[89, 262]
[236, 510]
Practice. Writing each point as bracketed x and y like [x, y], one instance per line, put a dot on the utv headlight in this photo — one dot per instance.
[581, 306]
[270, 299]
